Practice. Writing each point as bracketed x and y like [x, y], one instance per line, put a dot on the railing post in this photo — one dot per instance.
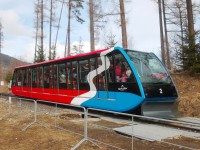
[9, 108]
[10, 103]
[35, 116]
[132, 131]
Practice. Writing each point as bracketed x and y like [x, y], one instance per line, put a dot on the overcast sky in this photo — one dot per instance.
[17, 20]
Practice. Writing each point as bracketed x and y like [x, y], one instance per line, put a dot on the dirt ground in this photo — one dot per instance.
[43, 135]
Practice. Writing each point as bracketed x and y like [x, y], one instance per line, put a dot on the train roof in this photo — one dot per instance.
[64, 58]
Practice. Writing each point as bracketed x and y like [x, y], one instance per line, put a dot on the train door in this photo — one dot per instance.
[101, 78]
[25, 88]
[50, 82]
[39, 78]
[93, 78]
[19, 81]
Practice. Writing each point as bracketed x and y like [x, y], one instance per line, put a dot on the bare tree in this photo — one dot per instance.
[110, 40]
[42, 27]
[78, 48]
[52, 18]
[39, 47]
[74, 7]
[37, 28]
[58, 26]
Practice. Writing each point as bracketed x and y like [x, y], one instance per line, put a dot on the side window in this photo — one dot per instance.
[40, 77]
[46, 77]
[34, 76]
[110, 71]
[19, 78]
[24, 77]
[53, 76]
[54, 69]
[14, 80]
[29, 78]
[122, 69]
[83, 70]
[74, 75]
[62, 76]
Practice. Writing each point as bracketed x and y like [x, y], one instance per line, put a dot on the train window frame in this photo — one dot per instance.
[74, 71]
[24, 77]
[69, 75]
[34, 77]
[40, 77]
[101, 76]
[93, 66]
[55, 76]
[29, 77]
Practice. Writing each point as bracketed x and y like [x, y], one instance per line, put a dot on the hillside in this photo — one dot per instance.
[189, 94]
[8, 61]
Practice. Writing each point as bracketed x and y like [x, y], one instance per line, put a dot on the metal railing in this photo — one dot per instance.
[90, 122]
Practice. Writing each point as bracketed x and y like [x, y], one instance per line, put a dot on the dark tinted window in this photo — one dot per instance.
[62, 76]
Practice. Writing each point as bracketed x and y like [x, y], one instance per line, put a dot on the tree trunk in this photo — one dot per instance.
[1, 62]
[58, 27]
[42, 26]
[190, 22]
[69, 27]
[123, 24]
[50, 30]
[36, 34]
[161, 32]
[166, 38]
[91, 10]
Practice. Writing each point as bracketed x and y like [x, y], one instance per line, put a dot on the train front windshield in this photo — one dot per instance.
[149, 68]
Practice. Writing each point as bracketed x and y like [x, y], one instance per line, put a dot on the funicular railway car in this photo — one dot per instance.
[113, 79]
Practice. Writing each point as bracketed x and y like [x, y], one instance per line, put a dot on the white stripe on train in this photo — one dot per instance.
[93, 90]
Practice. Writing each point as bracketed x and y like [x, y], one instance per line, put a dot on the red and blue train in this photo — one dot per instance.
[114, 79]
